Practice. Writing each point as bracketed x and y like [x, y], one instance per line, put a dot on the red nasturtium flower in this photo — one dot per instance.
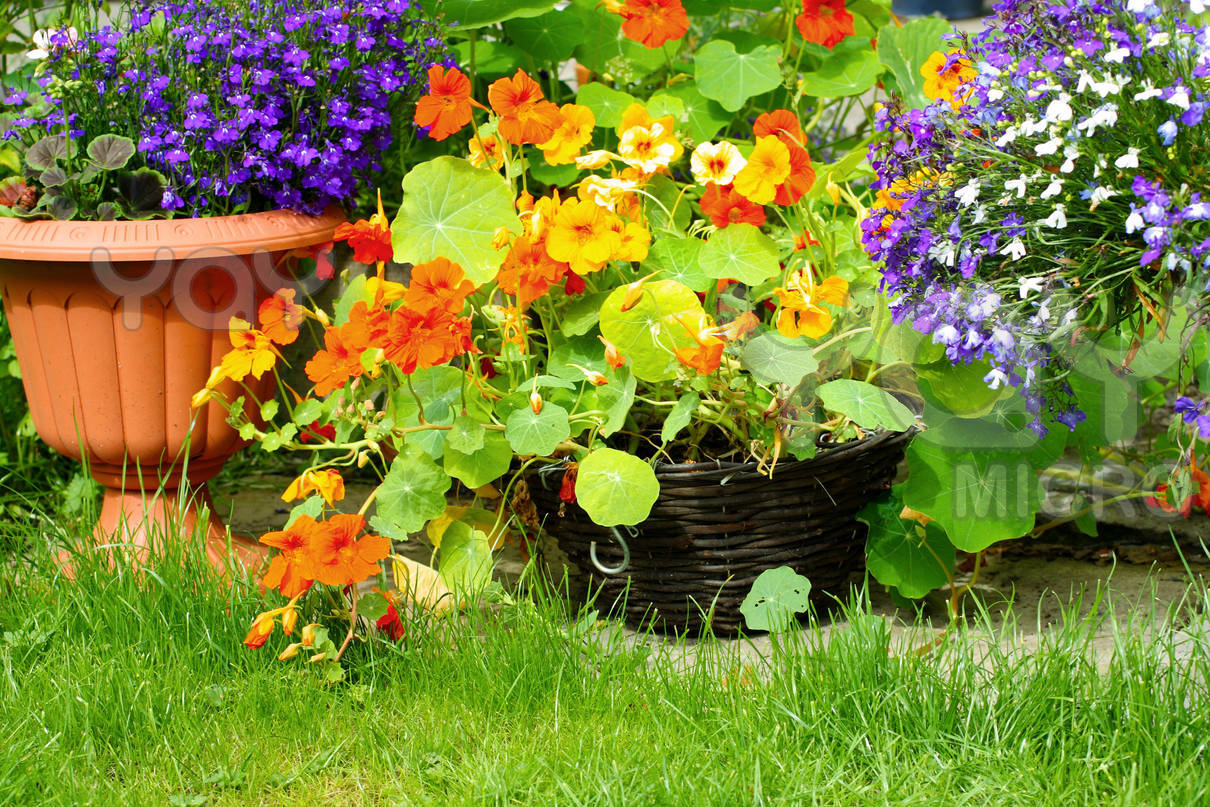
[567, 490]
[370, 240]
[280, 318]
[290, 569]
[390, 623]
[651, 22]
[1201, 498]
[423, 340]
[339, 558]
[825, 22]
[525, 115]
[725, 206]
[802, 177]
[316, 432]
[447, 107]
[528, 272]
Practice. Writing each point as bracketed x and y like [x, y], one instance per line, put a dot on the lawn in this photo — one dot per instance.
[136, 689]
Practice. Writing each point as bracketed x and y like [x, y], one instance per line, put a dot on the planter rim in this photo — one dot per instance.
[243, 234]
[826, 451]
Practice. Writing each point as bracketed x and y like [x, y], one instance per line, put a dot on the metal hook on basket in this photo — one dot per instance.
[592, 554]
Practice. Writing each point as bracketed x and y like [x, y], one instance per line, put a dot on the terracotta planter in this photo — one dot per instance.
[116, 325]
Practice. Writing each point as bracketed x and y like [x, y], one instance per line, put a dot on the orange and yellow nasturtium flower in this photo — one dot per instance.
[782, 124]
[802, 312]
[290, 570]
[716, 163]
[581, 236]
[447, 106]
[612, 357]
[651, 22]
[339, 558]
[253, 352]
[280, 318]
[572, 135]
[327, 482]
[706, 355]
[525, 115]
[264, 623]
[486, 152]
[768, 166]
[607, 193]
[945, 74]
[369, 238]
[384, 292]
[633, 240]
[528, 272]
[648, 148]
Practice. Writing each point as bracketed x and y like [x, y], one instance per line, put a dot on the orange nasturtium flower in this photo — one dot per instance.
[426, 339]
[572, 135]
[782, 124]
[253, 353]
[384, 292]
[339, 558]
[716, 163]
[725, 206]
[340, 360]
[768, 166]
[370, 238]
[801, 311]
[944, 74]
[528, 272]
[825, 22]
[264, 623]
[707, 354]
[280, 318]
[438, 284]
[290, 569]
[581, 236]
[486, 151]
[525, 115]
[327, 482]
[447, 106]
[612, 357]
[651, 22]
[802, 177]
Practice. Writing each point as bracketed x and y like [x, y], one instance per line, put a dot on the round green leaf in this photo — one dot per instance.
[960, 388]
[866, 405]
[538, 433]
[606, 103]
[848, 72]
[111, 151]
[731, 77]
[466, 435]
[452, 210]
[466, 558]
[774, 359]
[702, 118]
[902, 553]
[616, 488]
[776, 596]
[485, 464]
[740, 252]
[463, 15]
[412, 492]
[679, 259]
[549, 37]
[680, 415]
[649, 333]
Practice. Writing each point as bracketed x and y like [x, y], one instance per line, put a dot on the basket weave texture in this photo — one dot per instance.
[717, 525]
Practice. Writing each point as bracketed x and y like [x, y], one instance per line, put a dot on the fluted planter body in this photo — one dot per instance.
[117, 325]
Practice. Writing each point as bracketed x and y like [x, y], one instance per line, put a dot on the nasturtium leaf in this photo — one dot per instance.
[462, 15]
[440, 388]
[482, 465]
[680, 416]
[372, 606]
[663, 104]
[905, 47]
[977, 496]
[774, 359]
[466, 435]
[539, 433]
[701, 117]
[1110, 403]
[352, 294]
[844, 73]
[582, 314]
[312, 507]
[549, 37]
[452, 210]
[491, 58]
[110, 151]
[865, 404]
[740, 252]
[307, 412]
[583, 350]
[913, 558]
[466, 559]
[961, 388]
[731, 77]
[616, 398]
[776, 597]
[616, 488]
[679, 259]
[668, 209]
[548, 174]
[412, 492]
[651, 331]
[606, 103]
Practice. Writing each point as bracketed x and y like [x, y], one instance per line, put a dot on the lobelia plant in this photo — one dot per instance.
[235, 106]
[656, 270]
[1042, 223]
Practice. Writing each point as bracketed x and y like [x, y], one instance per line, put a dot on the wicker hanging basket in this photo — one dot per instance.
[717, 525]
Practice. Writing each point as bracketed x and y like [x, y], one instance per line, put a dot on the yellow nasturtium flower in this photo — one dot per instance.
[573, 135]
[327, 482]
[945, 74]
[768, 166]
[802, 312]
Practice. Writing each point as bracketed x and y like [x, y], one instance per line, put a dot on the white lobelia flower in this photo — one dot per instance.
[1085, 81]
[1049, 147]
[1053, 189]
[1159, 39]
[1128, 160]
[1105, 116]
[43, 46]
[1197, 6]
[1135, 222]
[1017, 185]
[980, 214]
[1010, 134]
[968, 193]
[1070, 152]
[996, 378]
[1058, 109]
[1138, 6]
[995, 94]
[944, 252]
[1179, 97]
[1100, 194]
[1014, 249]
[1058, 219]
[1106, 87]
[1148, 92]
[1030, 285]
[1116, 55]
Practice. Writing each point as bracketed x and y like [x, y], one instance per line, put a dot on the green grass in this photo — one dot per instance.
[136, 689]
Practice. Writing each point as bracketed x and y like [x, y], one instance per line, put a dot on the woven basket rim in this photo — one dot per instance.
[826, 452]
